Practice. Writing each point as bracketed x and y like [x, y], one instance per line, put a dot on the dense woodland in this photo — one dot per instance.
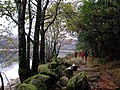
[97, 23]
[100, 27]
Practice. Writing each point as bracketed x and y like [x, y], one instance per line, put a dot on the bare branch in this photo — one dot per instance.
[10, 15]
[33, 3]
[49, 17]
[12, 55]
[47, 2]
[54, 16]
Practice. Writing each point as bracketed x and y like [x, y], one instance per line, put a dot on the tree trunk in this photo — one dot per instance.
[28, 36]
[42, 47]
[36, 60]
[23, 65]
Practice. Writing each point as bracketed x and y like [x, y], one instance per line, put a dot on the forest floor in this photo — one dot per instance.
[105, 76]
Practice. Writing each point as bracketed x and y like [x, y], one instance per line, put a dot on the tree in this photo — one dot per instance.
[100, 27]
[55, 37]
[23, 65]
[37, 16]
[65, 22]
[70, 15]
[9, 9]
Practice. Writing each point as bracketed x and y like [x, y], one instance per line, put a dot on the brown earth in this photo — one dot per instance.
[100, 76]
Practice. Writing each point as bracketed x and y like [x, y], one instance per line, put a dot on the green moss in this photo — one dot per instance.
[28, 80]
[44, 69]
[53, 65]
[40, 77]
[56, 59]
[42, 86]
[69, 63]
[78, 82]
[27, 87]
[64, 80]
[60, 70]
[68, 72]
[40, 80]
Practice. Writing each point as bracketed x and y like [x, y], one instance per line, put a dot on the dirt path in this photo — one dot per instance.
[98, 79]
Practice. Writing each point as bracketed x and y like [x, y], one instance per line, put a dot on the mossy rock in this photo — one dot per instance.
[67, 63]
[42, 82]
[59, 84]
[78, 82]
[44, 69]
[37, 79]
[60, 70]
[68, 72]
[28, 80]
[63, 80]
[53, 65]
[27, 87]
[74, 68]
[56, 59]
[42, 86]
[50, 73]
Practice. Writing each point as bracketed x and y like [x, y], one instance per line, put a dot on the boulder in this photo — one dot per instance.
[67, 63]
[60, 70]
[68, 72]
[63, 80]
[42, 82]
[44, 69]
[74, 67]
[78, 82]
[53, 65]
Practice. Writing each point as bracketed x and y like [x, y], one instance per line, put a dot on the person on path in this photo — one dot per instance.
[86, 55]
[75, 54]
[82, 54]
[93, 53]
